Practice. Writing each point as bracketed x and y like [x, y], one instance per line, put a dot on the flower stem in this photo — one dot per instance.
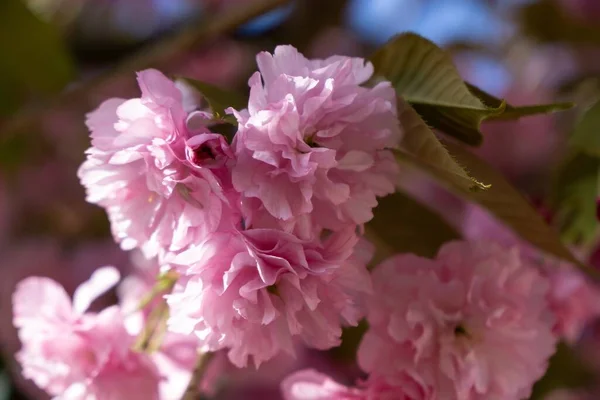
[192, 392]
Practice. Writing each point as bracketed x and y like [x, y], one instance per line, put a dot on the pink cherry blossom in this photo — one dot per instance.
[254, 291]
[76, 354]
[156, 178]
[573, 298]
[473, 323]
[313, 140]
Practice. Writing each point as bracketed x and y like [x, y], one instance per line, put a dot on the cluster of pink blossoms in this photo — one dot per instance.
[263, 231]
[264, 235]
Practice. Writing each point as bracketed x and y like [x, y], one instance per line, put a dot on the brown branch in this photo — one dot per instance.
[166, 49]
[192, 392]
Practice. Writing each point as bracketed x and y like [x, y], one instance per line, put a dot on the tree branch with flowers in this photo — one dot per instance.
[274, 218]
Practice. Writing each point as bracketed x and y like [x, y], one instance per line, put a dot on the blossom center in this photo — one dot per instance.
[203, 153]
[460, 330]
[273, 290]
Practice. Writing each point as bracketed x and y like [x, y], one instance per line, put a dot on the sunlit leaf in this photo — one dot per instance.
[426, 77]
[420, 143]
[218, 98]
[503, 201]
[33, 53]
[403, 225]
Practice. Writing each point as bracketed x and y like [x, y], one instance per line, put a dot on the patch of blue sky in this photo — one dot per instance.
[442, 21]
[267, 21]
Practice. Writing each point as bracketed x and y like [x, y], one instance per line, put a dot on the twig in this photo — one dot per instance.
[166, 49]
[192, 392]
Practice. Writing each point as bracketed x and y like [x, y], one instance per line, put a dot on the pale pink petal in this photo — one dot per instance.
[101, 281]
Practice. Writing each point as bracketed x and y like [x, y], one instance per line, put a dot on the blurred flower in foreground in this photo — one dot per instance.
[45, 257]
[70, 352]
[233, 383]
[309, 384]
[175, 356]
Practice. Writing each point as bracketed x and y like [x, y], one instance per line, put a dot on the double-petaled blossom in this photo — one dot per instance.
[472, 324]
[573, 298]
[255, 291]
[74, 354]
[312, 146]
[161, 182]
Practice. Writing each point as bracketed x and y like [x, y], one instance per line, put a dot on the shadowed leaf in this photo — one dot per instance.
[218, 98]
[403, 225]
[503, 201]
[566, 370]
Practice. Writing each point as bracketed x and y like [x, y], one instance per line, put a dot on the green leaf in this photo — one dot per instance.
[426, 77]
[548, 21]
[566, 370]
[504, 202]
[422, 145]
[575, 198]
[516, 112]
[586, 136]
[34, 55]
[577, 184]
[403, 225]
[219, 99]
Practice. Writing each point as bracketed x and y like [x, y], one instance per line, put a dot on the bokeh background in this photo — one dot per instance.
[61, 58]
